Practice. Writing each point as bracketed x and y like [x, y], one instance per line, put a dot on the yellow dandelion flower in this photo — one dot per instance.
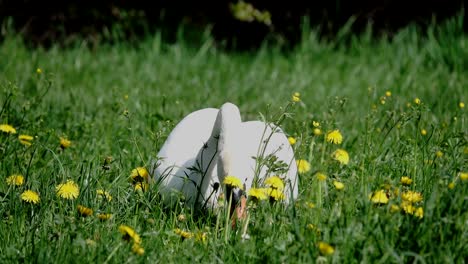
[310, 205]
[30, 197]
[382, 101]
[275, 182]
[423, 132]
[183, 234]
[233, 182]
[379, 197]
[451, 185]
[7, 129]
[394, 208]
[317, 131]
[338, 185]
[439, 154]
[201, 237]
[129, 234]
[303, 166]
[101, 194]
[141, 187]
[341, 155]
[463, 176]
[417, 101]
[137, 249]
[104, 217]
[419, 212]
[68, 190]
[64, 143]
[84, 211]
[412, 196]
[408, 207]
[334, 137]
[325, 248]
[140, 174]
[405, 180]
[38, 70]
[388, 93]
[296, 97]
[258, 193]
[15, 180]
[315, 124]
[275, 194]
[25, 140]
[461, 105]
[321, 176]
[292, 140]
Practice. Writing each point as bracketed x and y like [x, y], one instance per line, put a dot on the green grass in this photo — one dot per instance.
[81, 94]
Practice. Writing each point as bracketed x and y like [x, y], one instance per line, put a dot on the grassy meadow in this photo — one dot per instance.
[398, 103]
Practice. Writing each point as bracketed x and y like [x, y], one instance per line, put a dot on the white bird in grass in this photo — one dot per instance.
[209, 145]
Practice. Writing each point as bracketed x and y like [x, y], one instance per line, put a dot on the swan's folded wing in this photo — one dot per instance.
[255, 135]
[180, 150]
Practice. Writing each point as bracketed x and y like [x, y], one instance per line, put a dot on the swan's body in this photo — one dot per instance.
[210, 144]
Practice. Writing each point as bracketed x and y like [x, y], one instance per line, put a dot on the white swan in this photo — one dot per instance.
[210, 144]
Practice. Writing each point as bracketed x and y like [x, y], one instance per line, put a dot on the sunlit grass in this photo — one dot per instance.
[97, 117]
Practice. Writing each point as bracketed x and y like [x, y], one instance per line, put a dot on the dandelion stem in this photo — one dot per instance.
[227, 227]
[134, 139]
[323, 150]
[246, 224]
[218, 217]
[319, 194]
[311, 149]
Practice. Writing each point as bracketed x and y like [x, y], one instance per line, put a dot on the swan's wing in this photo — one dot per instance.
[188, 136]
[255, 135]
[179, 153]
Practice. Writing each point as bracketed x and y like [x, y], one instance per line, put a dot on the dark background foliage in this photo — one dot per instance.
[48, 21]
